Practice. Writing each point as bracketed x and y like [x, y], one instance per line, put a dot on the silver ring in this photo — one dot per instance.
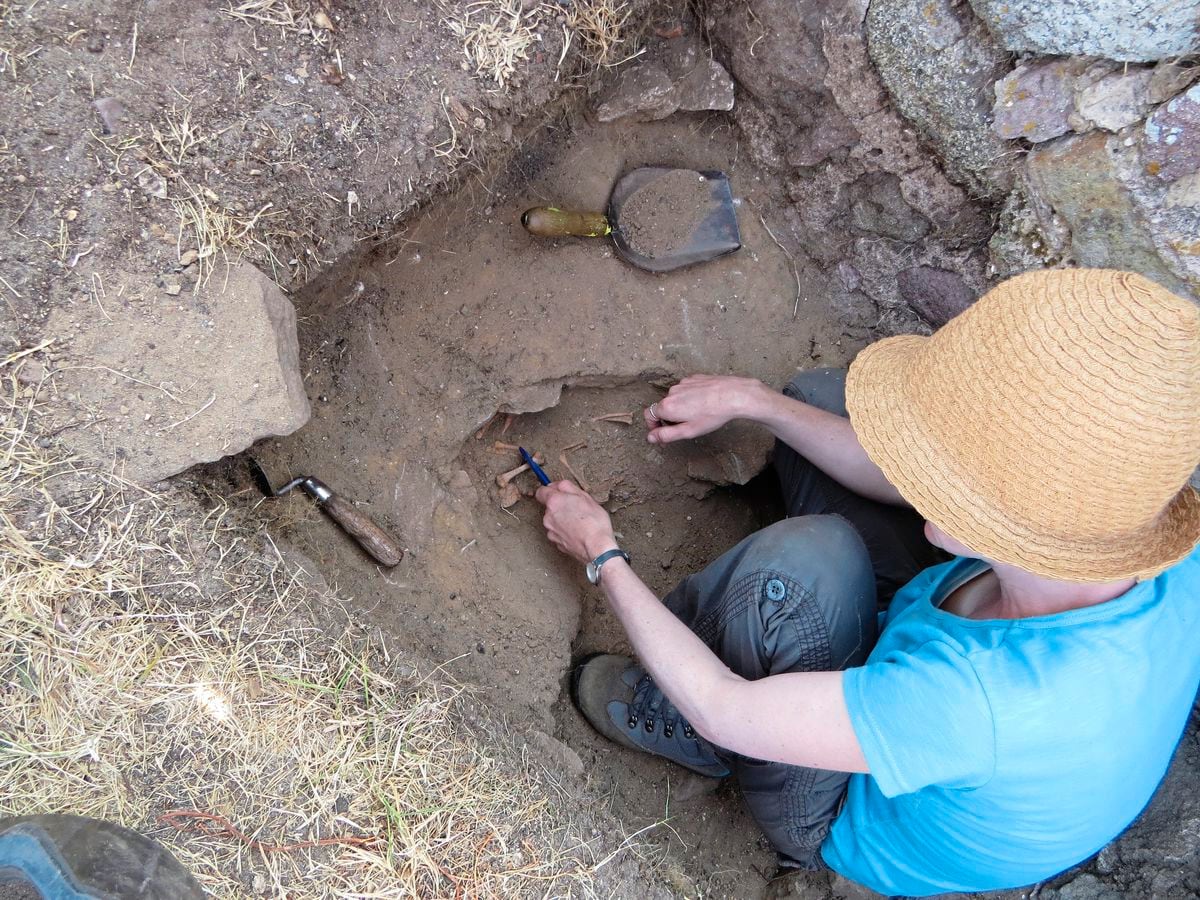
[653, 413]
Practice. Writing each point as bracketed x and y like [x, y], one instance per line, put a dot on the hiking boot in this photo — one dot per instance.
[620, 700]
[73, 858]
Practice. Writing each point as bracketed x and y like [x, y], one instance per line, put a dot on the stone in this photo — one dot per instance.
[556, 755]
[1079, 179]
[1113, 100]
[707, 86]
[845, 889]
[1184, 191]
[1124, 30]
[1034, 100]
[1089, 887]
[731, 456]
[202, 375]
[645, 92]
[1028, 235]
[111, 111]
[679, 76]
[878, 207]
[940, 65]
[1171, 137]
[936, 294]
[1170, 77]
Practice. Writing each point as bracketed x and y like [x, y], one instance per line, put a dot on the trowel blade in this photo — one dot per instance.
[716, 235]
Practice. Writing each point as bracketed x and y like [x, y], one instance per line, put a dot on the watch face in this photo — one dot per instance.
[593, 574]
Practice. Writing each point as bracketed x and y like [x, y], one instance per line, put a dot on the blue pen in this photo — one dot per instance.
[536, 469]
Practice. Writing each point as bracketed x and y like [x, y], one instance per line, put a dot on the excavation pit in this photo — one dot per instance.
[418, 353]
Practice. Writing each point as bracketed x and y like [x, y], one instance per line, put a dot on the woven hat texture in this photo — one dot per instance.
[1053, 425]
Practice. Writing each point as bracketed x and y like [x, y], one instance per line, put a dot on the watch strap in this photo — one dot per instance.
[605, 557]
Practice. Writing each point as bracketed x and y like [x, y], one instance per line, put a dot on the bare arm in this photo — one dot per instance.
[700, 404]
[739, 715]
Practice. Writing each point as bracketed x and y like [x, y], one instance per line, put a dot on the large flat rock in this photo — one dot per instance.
[1125, 30]
[155, 382]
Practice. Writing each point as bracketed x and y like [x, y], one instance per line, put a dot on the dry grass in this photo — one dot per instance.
[213, 230]
[307, 19]
[497, 35]
[151, 663]
[600, 25]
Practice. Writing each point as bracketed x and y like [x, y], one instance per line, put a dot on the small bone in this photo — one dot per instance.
[578, 445]
[501, 447]
[620, 418]
[508, 420]
[583, 484]
[509, 495]
[504, 478]
[484, 427]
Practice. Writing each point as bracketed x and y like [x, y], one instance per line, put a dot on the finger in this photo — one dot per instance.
[668, 433]
[547, 492]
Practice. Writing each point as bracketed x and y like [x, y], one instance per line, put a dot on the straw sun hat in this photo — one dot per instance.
[1052, 426]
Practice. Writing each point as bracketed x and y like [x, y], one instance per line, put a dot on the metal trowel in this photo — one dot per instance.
[715, 234]
[378, 543]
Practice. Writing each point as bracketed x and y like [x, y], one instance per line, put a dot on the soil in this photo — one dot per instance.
[660, 218]
[137, 138]
[411, 350]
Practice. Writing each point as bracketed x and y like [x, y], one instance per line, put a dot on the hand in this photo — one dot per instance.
[700, 404]
[575, 523]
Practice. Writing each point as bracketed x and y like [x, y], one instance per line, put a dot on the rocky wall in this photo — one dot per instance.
[873, 199]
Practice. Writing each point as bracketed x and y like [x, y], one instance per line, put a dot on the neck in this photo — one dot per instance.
[1022, 594]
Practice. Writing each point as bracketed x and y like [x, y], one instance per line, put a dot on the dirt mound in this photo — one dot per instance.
[660, 217]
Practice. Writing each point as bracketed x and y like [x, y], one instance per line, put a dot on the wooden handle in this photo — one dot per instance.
[377, 542]
[549, 221]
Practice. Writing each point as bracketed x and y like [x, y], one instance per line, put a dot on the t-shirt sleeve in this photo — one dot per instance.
[922, 718]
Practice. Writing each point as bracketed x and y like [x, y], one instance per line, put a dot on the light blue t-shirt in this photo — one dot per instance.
[1004, 751]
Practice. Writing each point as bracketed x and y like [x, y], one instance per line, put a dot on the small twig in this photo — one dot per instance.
[10, 287]
[8, 360]
[791, 259]
[211, 401]
[80, 255]
[133, 49]
[179, 818]
[111, 371]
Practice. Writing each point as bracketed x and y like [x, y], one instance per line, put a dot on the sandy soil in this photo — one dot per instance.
[659, 217]
[410, 350]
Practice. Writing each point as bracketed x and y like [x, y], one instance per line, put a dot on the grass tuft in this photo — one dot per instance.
[154, 671]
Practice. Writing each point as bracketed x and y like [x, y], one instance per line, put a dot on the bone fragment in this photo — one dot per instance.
[622, 418]
[504, 478]
[566, 465]
[509, 495]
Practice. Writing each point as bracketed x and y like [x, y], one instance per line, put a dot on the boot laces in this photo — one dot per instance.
[651, 706]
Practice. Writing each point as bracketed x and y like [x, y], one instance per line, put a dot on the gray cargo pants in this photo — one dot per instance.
[800, 596]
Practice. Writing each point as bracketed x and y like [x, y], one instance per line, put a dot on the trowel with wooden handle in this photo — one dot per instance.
[715, 234]
[385, 549]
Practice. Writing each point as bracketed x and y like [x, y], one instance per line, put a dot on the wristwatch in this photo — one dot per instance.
[593, 568]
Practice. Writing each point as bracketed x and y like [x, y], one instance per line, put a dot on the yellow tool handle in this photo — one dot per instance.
[549, 221]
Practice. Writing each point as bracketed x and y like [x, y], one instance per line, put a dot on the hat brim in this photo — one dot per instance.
[884, 408]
